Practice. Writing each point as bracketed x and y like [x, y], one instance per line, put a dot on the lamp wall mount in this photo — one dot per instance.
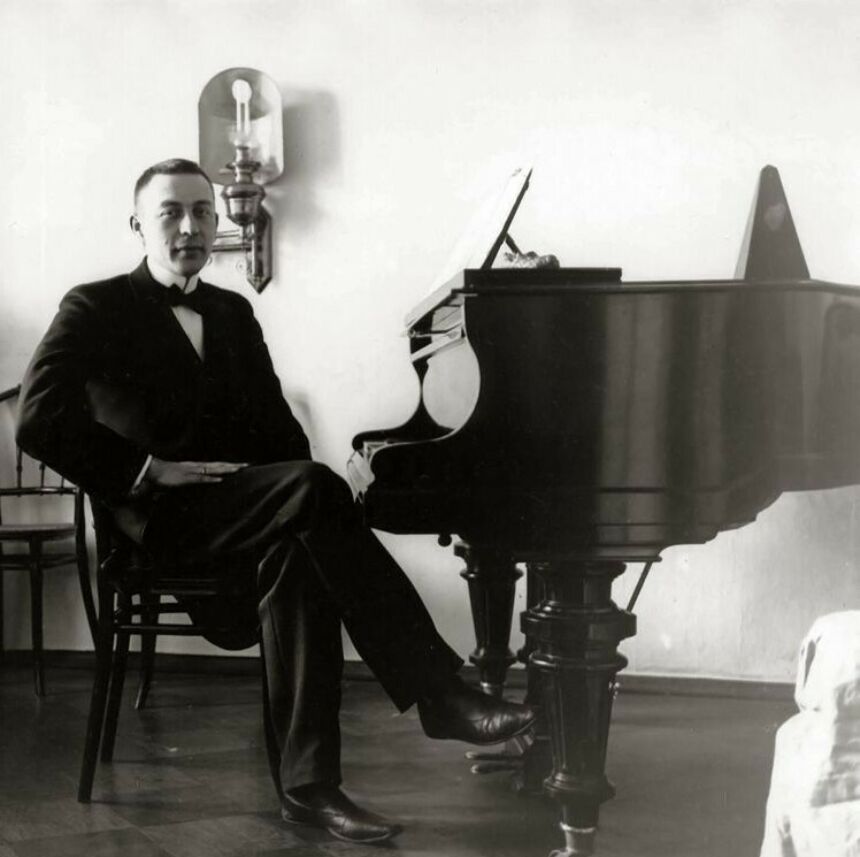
[241, 148]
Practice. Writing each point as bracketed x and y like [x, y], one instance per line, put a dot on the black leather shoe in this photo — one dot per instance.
[326, 806]
[466, 714]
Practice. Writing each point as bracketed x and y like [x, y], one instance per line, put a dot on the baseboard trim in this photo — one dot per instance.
[723, 688]
[661, 685]
[655, 685]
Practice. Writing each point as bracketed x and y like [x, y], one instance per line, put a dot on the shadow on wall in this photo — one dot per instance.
[312, 152]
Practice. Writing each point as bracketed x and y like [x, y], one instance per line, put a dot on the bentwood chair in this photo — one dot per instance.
[134, 593]
[25, 536]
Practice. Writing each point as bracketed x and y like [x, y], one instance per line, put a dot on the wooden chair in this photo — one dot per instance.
[34, 535]
[132, 589]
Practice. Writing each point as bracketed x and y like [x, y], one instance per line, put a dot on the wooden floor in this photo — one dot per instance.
[190, 778]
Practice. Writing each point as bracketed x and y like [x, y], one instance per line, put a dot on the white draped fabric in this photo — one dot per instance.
[813, 808]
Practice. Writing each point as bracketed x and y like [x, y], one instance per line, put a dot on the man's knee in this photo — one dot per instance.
[321, 479]
[321, 491]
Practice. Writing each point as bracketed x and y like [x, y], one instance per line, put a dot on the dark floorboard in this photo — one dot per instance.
[190, 778]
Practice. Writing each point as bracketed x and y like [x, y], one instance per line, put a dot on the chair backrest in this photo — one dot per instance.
[8, 447]
[29, 474]
[42, 513]
[27, 477]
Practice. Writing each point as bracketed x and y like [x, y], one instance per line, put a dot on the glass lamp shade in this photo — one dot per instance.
[228, 119]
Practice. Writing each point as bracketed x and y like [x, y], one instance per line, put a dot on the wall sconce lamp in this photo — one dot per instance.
[242, 148]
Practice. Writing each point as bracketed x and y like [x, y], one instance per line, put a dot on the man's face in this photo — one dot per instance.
[176, 220]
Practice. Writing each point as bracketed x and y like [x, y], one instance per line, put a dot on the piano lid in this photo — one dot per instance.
[771, 249]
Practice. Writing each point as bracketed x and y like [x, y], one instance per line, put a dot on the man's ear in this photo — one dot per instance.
[134, 225]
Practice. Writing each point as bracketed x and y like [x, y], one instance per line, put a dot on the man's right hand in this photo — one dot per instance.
[172, 474]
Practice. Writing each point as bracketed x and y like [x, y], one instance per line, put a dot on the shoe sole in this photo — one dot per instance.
[289, 819]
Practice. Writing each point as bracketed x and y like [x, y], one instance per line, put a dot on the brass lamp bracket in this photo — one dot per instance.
[255, 241]
[243, 198]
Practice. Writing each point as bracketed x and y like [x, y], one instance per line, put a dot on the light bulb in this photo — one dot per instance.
[242, 92]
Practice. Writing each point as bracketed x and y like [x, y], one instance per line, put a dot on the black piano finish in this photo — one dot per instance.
[620, 418]
[573, 422]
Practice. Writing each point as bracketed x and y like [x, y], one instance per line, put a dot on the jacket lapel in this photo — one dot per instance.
[166, 335]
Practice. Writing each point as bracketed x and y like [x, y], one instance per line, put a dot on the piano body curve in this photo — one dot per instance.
[617, 417]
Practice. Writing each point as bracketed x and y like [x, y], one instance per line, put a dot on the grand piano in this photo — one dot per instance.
[574, 423]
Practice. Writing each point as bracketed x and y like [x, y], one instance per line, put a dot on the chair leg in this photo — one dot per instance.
[36, 617]
[98, 701]
[84, 566]
[147, 654]
[117, 679]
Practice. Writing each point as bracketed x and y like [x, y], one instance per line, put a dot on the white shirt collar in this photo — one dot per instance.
[167, 278]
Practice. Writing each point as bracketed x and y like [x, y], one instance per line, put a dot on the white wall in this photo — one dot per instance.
[647, 124]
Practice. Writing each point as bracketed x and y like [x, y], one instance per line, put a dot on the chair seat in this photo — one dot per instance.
[129, 570]
[14, 532]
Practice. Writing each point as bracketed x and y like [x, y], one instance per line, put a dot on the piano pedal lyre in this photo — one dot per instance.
[508, 760]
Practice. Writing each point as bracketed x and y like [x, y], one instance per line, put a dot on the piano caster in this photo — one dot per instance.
[579, 841]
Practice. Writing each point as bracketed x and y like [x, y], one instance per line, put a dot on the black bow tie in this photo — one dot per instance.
[193, 300]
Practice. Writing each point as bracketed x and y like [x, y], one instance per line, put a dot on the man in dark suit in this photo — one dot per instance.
[155, 393]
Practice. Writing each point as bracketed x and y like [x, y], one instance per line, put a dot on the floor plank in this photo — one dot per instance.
[190, 778]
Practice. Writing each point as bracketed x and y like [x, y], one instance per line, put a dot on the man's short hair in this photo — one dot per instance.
[170, 167]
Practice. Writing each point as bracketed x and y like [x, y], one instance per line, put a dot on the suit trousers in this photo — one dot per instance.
[317, 566]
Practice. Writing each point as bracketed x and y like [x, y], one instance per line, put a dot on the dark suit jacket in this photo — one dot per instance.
[115, 378]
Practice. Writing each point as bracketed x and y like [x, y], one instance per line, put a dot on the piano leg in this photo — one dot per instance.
[536, 762]
[534, 596]
[575, 630]
[492, 577]
[529, 757]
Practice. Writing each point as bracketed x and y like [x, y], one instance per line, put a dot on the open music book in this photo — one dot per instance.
[482, 238]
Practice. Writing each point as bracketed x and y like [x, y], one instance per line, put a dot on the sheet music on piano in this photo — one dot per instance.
[480, 242]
